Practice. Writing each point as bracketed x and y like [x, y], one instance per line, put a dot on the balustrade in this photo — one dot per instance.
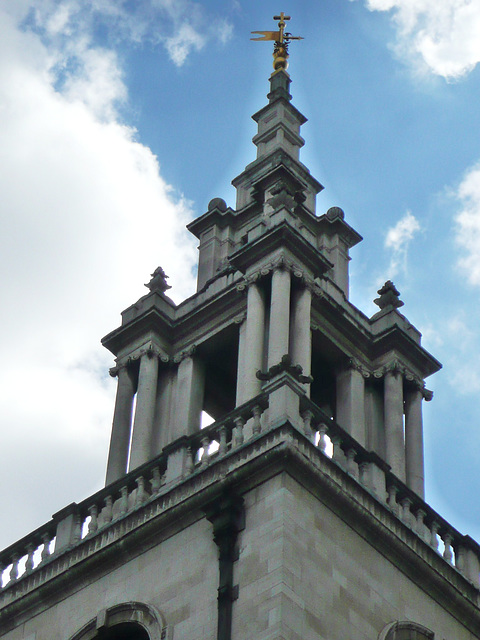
[196, 452]
[223, 436]
[457, 550]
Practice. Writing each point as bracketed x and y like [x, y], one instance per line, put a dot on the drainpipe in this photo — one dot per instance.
[228, 518]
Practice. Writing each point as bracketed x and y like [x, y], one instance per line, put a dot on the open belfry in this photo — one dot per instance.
[299, 513]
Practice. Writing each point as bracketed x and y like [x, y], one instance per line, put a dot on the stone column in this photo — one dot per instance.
[189, 396]
[140, 450]
[279, 329]
[122, 422]
[162, 428]
[393, 412]
[351, 403]
[301, 333]
[414, 441]
[251, 346]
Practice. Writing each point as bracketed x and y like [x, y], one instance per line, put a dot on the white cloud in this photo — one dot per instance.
[182, 27]
[85, 217]
[439, 35]
[225, 31]
[468, 225]
[185, 40]
[398, 239]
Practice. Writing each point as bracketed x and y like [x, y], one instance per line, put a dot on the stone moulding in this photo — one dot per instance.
[143, 615]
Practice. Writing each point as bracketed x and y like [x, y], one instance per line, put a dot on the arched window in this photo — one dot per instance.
[126, 621]
[405, 631]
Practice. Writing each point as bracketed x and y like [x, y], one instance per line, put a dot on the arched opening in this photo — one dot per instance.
[405, 630]
[126, 621]
[124, 631]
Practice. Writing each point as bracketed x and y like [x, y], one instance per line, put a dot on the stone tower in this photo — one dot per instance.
[299, 513]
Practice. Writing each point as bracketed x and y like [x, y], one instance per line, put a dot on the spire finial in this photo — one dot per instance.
[281, 39]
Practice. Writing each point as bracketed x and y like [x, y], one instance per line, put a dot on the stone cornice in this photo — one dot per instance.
[282, 237]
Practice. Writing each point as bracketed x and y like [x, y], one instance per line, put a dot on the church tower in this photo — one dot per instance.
[299, 512]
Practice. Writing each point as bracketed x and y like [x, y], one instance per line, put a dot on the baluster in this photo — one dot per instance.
[419, 523]
[322, 443]
[206, 455]
[307, 423]
[223, 446]
[257, 425]
[460, 559]
[156, 480]
[434, 528]
[189, 466]
[30, 551]
[93, 525]
[108, 510]
[338, 455]
[351, 466]
[77, 529]
[14, 569]
[238, 431]
[447, 553]
[123, 500]
[406, 514]
[46, 546]
[364, 468]
[141, 493]
[392, 498]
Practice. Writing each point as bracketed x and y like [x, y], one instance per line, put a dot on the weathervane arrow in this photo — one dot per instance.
[281, 39]
[267, 35]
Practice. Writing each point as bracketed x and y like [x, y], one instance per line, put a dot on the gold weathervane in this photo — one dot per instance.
[281, 39]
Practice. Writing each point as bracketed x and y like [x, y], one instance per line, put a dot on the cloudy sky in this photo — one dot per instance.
[120, 120]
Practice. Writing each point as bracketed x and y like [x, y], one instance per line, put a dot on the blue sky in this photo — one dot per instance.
[121, 120]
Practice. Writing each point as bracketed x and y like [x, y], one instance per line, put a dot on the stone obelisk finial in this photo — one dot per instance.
[281, 39]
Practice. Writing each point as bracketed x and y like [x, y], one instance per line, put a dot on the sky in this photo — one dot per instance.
[121, 120]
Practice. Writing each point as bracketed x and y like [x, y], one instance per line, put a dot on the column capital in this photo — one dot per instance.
[150, 350]
[395, 367]
[281, 263]
[120, 366]
[240, 319]
[354, 364]
[185, 353]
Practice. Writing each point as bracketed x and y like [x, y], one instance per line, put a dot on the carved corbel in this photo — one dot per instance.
[419, 385]
[285, 364]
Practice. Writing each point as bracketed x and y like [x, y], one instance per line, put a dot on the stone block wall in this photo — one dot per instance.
[178, 577]
[304, 574]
